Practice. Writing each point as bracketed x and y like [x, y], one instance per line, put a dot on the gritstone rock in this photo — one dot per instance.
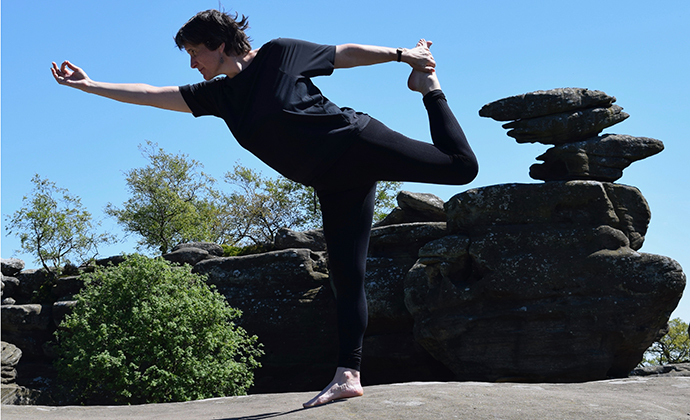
[545, 102]
[211, 248]
[542, 282]
[565, 127]
[599, 158]
[415, 207]
[11, 266]
[10, 357]
[571, 119]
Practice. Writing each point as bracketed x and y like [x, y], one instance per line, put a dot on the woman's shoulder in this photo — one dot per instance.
[286, 43]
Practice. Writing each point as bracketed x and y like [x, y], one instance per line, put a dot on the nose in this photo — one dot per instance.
[193, 62]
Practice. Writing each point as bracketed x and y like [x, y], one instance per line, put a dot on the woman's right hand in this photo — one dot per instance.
[420, 57]
[70, 75]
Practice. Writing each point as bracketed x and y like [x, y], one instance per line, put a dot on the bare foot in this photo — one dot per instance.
[423, 82]
[345, 384]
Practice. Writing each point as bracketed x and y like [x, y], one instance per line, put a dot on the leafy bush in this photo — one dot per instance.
[148, 331]
[236, 251]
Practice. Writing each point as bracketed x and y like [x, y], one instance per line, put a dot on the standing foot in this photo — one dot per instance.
[345, 384]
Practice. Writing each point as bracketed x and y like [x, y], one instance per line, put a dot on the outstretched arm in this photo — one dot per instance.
[168, 97]
[354, 55]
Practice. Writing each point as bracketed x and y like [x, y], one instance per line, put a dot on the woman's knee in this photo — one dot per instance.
[467, 168]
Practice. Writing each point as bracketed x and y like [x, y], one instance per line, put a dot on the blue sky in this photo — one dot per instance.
[636, 51]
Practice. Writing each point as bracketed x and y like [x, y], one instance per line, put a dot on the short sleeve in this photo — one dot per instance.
[306, 58]
[203, 98]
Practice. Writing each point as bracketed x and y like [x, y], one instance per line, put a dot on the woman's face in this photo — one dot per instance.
[206, 61]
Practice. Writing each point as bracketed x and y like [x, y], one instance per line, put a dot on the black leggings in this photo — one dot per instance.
[347, 192]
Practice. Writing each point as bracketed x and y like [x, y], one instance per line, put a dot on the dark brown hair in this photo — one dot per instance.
[212, 28]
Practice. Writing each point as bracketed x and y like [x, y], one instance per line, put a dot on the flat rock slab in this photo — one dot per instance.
[630, 398]
[545, 102]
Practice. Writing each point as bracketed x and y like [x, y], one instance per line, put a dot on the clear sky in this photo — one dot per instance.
[637, 51]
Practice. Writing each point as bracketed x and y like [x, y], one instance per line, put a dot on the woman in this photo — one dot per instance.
[273, 109]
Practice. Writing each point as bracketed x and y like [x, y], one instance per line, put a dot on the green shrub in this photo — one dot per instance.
[147, 331]
[231, 250]
[236, 251]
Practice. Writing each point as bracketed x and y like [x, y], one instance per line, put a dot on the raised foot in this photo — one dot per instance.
[345, 384]
[423, 82]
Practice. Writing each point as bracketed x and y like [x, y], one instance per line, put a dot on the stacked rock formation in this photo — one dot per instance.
[544, 282]
[572, 119]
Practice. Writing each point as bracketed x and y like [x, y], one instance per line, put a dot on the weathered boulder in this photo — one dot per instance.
[566, 127]
[582, 204]
[678, 369]
[542, 283]
[11, 266]
[210, 247]
[66, 287]
[28, 327]
[29, 284]
[13, 394]
[600, 158]
[391, 353]
[10, 286]
[10, 358]
[415, 207]
[108, 261]
[309, 239]
[571, 119]
[287, 301]
[187, 255]
[545, 102]
[25, 318]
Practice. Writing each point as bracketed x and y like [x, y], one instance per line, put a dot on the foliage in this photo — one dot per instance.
[384, 203]
[235, 251]
[674, 347]
[147, 331]
[261, 206]
[172, 201]
[53, 225]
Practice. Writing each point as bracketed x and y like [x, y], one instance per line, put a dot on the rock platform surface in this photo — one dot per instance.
[652, 397]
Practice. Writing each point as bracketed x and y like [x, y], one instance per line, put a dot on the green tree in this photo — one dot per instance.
[172, 201]
[260, 206]
[53, 225]
[384, 203]
[673, 347]
[148, 331]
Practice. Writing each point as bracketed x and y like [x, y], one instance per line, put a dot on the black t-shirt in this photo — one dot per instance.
[275, 111]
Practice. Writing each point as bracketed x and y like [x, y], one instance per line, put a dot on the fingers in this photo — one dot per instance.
[63, 67]
[57, 73]
[71, 66]
[64, 72]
